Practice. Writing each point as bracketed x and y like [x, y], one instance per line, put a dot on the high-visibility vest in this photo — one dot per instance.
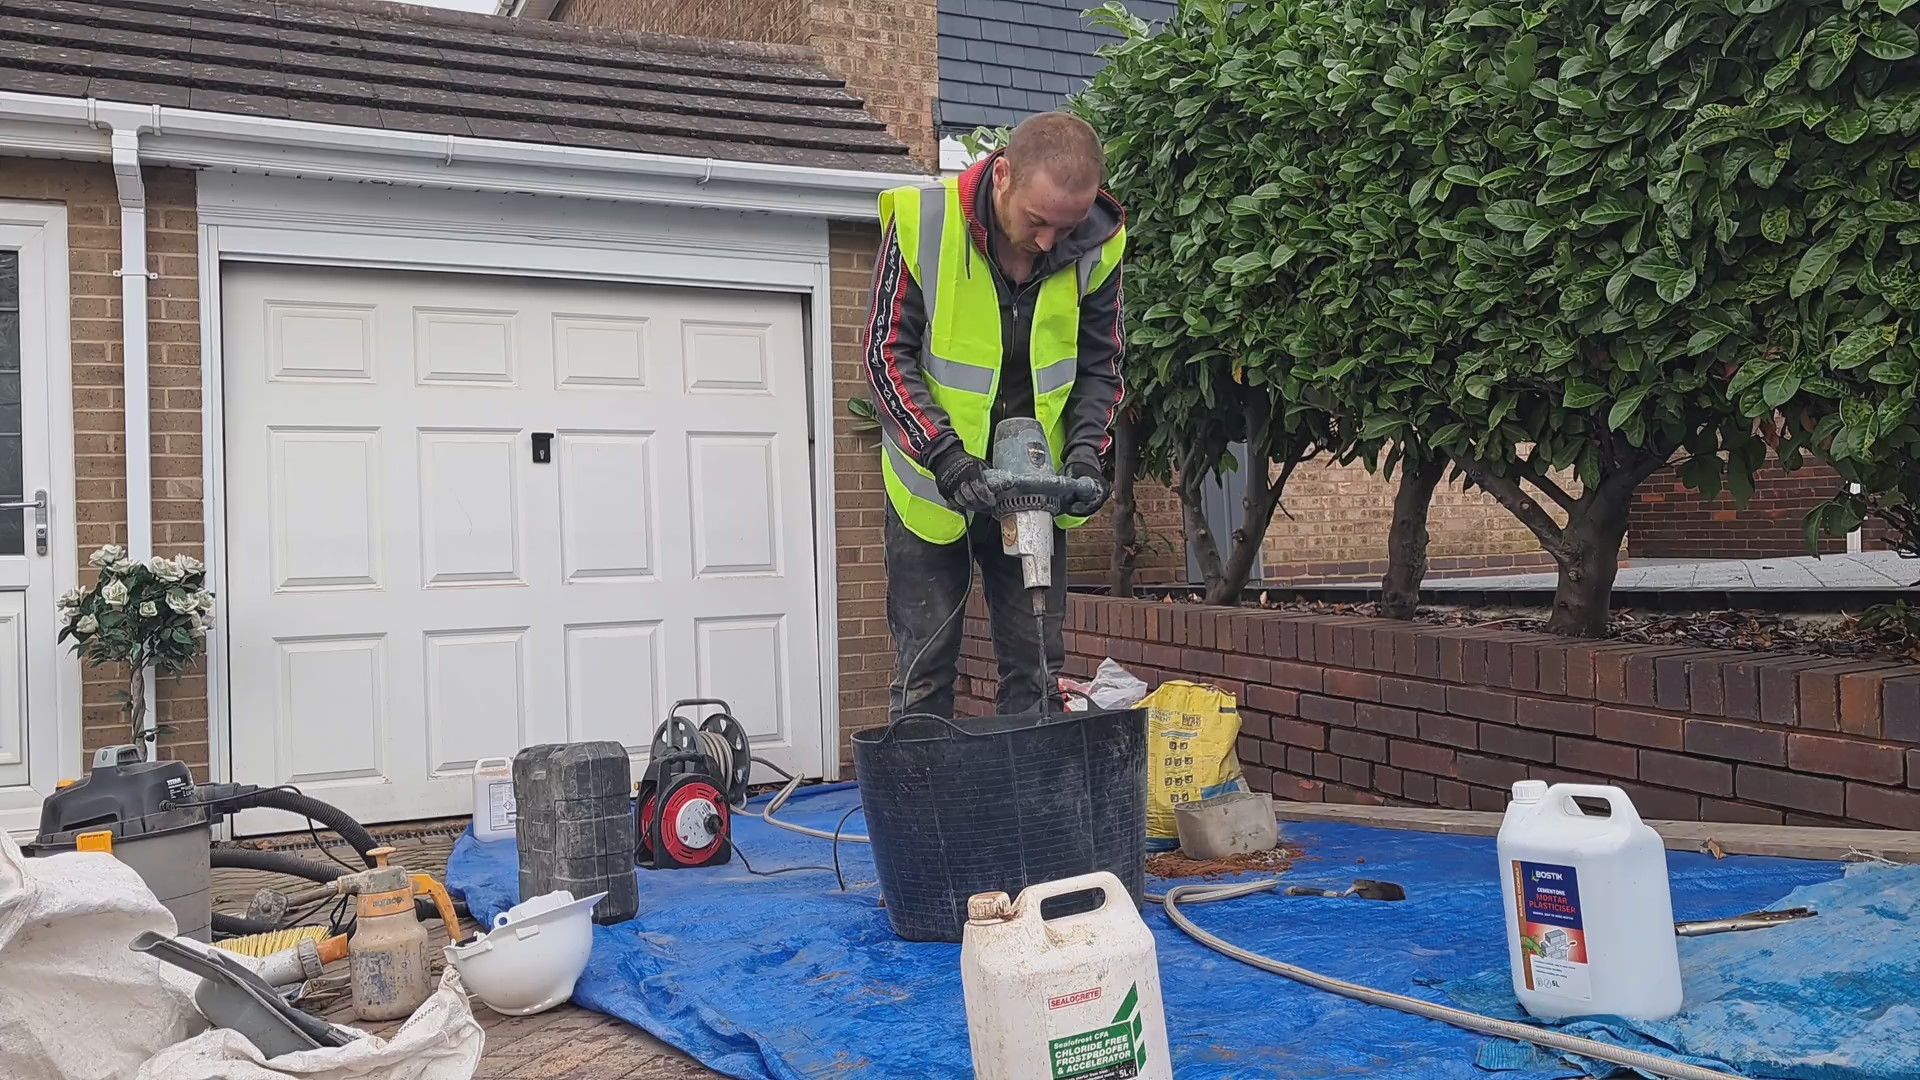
[960, 354]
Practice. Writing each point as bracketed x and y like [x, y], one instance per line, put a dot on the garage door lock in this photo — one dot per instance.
[542, 447]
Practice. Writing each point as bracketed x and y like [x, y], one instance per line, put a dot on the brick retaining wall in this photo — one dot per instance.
[1371, 711]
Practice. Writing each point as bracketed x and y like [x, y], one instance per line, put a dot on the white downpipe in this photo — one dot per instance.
[1857, 539]
[136, 406]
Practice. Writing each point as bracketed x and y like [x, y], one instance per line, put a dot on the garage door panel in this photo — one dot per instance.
[476, 695]
[311, 342]
[330, 717]
[465, 347]
[325, 511]
[608, 509]
[597, 352]
[742, 660]
[470, 508]
[734, 511]
[615, 681]
[432, 595]
[727, 358]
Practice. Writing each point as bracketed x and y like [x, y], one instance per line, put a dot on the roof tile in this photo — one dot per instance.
[366, 64]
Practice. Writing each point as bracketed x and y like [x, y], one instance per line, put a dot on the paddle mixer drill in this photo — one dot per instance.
[1031, 493]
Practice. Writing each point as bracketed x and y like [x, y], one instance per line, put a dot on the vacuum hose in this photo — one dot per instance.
[1460, 1018]
[273, 862]
[280, 798]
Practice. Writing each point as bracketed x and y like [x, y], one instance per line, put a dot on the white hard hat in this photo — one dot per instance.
[530, 959]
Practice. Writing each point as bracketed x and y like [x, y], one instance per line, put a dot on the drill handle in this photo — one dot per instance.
[1063, 488]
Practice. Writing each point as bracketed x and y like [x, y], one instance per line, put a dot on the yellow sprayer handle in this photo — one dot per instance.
[424, 884]
[99, 840]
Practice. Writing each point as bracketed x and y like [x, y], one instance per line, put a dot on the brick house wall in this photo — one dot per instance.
[1333, 523]
[1670, 521]
[1370, 711]
[99, 441]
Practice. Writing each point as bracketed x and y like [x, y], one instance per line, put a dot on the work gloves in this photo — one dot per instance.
[958, 475]
[1089, 506]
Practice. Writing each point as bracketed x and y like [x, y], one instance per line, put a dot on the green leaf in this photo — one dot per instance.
[1583, 395]
[1609, 209]
[1847, 127]
[1780, 388]
[1827, 66]
[1860, 346]
[1537, 234]
[1816, 267]
[1513, 215]
[1895, 7]
[1892, 212]
[1463, 174]
[1775, 223]
[1627, 406]
[1890, 40]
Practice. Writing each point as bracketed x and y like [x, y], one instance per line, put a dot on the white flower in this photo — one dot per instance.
[190, 565]
[106, 555]
[87, 625]
[114, 593]
[181, 603]
[123, 566]
[71, 600]
[197, 626]
[149, 609]
[165, 569]
[206, 601]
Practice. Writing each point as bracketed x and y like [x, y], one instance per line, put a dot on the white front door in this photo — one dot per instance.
[34, 741]
[466, 514]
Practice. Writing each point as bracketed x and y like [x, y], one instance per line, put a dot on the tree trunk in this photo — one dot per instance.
[1126, 520]
[1407, 538]
[137, 711]
[1589, 554]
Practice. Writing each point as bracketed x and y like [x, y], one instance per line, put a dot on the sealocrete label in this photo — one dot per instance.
[1113, 1051]
[1553, 935]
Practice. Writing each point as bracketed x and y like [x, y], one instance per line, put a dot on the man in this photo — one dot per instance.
[996, 294]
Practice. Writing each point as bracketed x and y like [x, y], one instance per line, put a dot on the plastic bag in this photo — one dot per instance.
[1191, 733]
[75, 1002]
[1113, 687]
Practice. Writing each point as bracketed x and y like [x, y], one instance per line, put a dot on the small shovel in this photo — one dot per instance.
[1364, 888]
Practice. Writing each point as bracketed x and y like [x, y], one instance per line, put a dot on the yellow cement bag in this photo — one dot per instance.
[1191, 733]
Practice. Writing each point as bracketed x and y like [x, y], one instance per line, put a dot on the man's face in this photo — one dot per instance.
[1036, 212]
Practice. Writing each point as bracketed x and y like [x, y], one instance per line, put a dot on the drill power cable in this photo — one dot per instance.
[1460, 1018]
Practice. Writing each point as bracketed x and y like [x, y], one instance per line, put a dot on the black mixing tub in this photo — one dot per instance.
[997, 803]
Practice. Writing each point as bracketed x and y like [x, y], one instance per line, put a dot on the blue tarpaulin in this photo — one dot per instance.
[785, 977]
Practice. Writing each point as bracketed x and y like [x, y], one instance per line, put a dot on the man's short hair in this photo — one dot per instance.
[1061, 145]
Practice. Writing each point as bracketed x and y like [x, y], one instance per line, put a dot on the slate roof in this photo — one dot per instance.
[404, 68]
[1003, 60]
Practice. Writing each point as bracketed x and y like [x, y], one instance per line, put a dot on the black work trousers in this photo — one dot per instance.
[927, 582]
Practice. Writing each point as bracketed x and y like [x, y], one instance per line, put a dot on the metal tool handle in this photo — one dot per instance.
[1000, 482]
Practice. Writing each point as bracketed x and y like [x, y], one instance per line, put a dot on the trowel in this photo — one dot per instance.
[1364, 888]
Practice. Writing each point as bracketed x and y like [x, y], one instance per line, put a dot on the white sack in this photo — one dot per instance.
[1113, 687]
[75, 1002]
[440, 1041]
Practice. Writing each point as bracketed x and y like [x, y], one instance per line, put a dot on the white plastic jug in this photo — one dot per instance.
[1071, 998]
[1588, 909]
[493, 808]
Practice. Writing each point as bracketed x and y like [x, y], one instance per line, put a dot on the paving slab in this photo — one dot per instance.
[1859, 571]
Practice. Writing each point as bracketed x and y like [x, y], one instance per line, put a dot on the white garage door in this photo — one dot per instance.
[412, 588]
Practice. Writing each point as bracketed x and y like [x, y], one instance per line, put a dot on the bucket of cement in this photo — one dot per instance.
[997, 803]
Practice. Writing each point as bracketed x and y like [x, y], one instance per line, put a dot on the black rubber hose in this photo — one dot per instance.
[354, 833]
[274, 862]
[236, 926]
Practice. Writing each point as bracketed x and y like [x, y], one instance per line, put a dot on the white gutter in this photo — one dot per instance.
[190, 138]
[136, 404]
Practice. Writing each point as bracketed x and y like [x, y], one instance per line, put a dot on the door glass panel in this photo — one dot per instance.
[12, 522]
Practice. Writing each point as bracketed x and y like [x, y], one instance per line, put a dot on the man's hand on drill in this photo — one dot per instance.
[1087, 507]
[958, 475]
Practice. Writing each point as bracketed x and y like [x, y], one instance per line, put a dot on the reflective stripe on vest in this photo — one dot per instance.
[960, 352]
